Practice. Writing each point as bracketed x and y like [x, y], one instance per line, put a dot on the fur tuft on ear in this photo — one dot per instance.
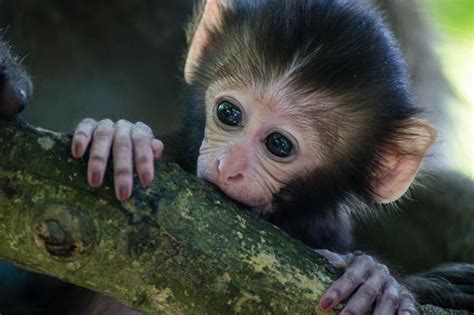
[208, 17]
[400, 167]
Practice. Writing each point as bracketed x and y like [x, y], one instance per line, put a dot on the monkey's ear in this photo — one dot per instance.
[401, 167]
[208, 19]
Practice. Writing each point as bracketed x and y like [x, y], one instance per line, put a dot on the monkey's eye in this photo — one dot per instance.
[279, 145]
[229, 114]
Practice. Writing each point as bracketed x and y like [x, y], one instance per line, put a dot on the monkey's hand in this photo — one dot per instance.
[15, 84]
[130, 143]
[365, 282]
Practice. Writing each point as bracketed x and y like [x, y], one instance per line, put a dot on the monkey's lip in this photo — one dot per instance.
[244, 201]
[236, 197]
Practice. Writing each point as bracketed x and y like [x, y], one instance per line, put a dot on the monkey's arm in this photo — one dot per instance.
[15, 84]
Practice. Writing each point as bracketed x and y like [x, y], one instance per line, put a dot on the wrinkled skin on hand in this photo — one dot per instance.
[365, 282]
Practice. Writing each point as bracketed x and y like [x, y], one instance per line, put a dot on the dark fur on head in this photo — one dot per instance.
[344, 52]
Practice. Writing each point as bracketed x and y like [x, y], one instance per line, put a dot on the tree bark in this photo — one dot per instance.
[177, 247]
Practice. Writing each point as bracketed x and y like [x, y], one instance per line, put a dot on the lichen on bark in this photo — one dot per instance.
[177, 247]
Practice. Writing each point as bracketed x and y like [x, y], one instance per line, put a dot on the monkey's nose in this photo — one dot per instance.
[229, 173]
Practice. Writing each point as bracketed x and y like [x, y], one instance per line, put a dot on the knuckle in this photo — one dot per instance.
[392, 282]
[360, 260]
[143, 159]
[88, 121]
[369, 291]
[143, 126]
[140, 137]
[407, 297]
[123, 142]
[123, 172]
[106, 121]
[411, 310]
[391, 299]
[382, 270]
[139, 133]
[347, 258]
[366, 259]
[351, 278]
[104, 132]
[123, 122]
[79, 133]
[96, 159]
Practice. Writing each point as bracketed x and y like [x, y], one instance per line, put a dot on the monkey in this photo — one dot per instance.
[299, 110]
[352, 194]
[16, 87]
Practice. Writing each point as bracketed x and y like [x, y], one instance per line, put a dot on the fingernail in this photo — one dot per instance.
[326, 304]
[406, 313]
[123, 192]
[146, 178]
[96, 179]
[77, 149]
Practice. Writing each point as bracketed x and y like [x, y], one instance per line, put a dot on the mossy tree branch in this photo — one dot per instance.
[177, 247]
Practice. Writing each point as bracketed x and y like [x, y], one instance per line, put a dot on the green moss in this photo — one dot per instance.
[179, 247]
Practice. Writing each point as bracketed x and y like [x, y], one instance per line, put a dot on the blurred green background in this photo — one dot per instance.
[454, 22]
[122, 59]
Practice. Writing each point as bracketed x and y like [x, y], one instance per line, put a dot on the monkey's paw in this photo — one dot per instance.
[365, 282]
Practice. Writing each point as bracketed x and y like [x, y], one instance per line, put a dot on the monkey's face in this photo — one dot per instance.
[253, 145]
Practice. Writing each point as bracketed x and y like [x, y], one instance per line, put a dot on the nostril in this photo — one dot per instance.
[235, 178]
[217, 167]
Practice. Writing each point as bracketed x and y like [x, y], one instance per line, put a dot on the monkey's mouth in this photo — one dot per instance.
[261, 209]
[240, 196]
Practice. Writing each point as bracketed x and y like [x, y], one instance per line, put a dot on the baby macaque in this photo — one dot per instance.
[299, 109]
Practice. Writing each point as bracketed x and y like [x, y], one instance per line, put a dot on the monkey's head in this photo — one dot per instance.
[302, 93]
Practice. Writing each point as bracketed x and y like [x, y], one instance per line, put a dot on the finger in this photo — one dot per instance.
[100, 151]
[142, 152]
[157, 147]
[389, 301]
[366, 294]
[337, 260]
[82, 137]
[350, 280]
[407, 305]
[123, 165]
